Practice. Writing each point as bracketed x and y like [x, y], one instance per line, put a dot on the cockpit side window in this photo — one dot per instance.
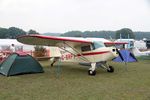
[98, 44]
[86, 48]
[93, 46]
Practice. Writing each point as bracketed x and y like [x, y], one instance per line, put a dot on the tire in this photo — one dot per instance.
[92, 73]
[111, 69]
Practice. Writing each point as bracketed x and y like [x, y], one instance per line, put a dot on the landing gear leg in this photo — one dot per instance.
[92, 70]
[55, 60]
[109, 69]
[52, 64]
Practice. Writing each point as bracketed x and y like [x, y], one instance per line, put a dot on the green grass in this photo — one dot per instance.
[73, 83]
[143, 58]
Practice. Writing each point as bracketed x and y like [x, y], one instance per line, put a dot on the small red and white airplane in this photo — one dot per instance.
[88, 50]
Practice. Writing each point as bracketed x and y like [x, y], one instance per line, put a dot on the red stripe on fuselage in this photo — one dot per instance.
[92, 53]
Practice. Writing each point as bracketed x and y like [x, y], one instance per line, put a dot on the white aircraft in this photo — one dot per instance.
[77, 50]
[136, 52]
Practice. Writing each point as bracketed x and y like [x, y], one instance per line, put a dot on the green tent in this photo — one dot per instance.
[20, 64]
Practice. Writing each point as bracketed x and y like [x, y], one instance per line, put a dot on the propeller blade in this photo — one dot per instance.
[120, 55]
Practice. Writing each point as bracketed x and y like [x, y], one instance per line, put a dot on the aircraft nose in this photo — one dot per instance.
[115, 51]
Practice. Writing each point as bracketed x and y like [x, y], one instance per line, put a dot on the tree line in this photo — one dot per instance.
[124, 33]
[13, 32]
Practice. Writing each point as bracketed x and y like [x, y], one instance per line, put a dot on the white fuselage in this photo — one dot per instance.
[97, 55]
[94, 52]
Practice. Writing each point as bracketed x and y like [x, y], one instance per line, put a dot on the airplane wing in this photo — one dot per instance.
[51, 40]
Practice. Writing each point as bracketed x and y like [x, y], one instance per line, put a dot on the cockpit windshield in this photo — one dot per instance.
[98, 44]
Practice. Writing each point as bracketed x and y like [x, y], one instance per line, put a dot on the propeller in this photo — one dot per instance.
[117, 49]
[120, 54]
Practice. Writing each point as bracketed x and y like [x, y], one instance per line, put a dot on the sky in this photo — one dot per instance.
[60, 16]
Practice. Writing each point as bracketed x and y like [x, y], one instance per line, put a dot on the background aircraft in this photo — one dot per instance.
[136, 52]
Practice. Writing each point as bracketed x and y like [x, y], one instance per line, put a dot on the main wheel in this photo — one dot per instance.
[110, 69]
[92, 73]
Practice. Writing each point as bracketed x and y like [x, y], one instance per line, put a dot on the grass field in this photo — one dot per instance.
[73, 83]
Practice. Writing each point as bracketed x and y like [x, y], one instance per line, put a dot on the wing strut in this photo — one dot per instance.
[82, 57]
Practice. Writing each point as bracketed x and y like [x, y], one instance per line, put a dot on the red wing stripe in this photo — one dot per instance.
[56, 38]
[115, 43]
[93, 53]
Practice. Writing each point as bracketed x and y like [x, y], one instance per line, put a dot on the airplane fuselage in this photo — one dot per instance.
[100, 54]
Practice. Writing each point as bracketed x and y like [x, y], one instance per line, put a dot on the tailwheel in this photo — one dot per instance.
[92, 73]
[110, 69]
[52, 65]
